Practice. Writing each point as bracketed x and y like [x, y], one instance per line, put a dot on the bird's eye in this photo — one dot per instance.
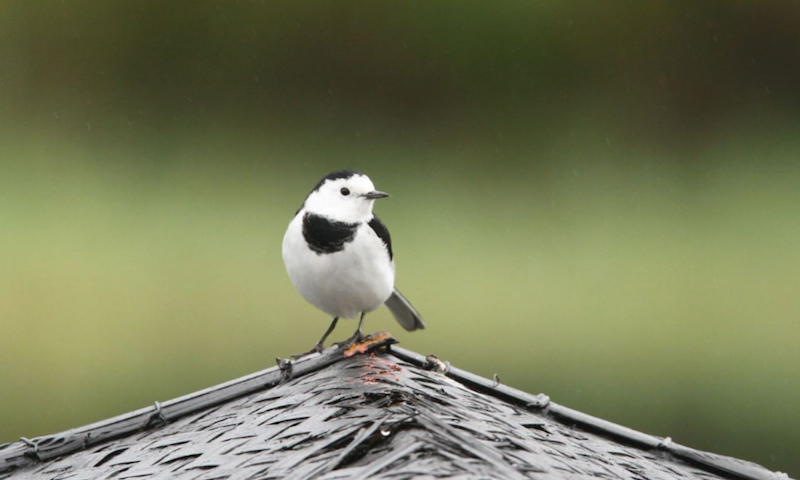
[345, 191]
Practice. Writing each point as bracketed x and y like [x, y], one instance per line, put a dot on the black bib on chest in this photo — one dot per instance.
[324, 235]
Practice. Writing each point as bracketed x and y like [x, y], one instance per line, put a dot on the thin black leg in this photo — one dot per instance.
[358, 335]
[319, 346]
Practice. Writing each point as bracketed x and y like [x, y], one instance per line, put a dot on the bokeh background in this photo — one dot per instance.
[595, 200]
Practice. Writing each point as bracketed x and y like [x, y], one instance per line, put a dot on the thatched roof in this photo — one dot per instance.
[387, 414]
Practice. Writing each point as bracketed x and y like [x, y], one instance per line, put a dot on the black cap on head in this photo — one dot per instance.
[347, 173]
[335, 176]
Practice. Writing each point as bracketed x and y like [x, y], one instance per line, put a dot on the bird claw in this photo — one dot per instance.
[315, 349]
[357, 337]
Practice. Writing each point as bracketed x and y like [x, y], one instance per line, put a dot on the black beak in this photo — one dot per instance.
[375, 194]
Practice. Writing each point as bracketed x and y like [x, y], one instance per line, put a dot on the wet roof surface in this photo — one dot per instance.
[389, 414]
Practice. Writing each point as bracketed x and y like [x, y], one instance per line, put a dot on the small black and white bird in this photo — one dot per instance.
[339, 254]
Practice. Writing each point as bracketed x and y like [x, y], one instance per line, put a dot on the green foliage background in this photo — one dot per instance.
[595, 200]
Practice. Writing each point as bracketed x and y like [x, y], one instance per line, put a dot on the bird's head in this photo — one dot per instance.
[345, 196]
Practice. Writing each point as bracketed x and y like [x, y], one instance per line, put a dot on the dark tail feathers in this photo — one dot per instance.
[405, 314]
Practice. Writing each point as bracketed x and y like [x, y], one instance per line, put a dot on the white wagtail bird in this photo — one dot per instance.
[339, 254]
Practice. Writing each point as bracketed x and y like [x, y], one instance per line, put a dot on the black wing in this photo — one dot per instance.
[383, 233]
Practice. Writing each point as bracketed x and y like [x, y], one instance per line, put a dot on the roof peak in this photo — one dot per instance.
[365, 400]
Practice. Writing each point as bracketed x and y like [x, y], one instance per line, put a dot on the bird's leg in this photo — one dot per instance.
[320, 345]
[358, 336]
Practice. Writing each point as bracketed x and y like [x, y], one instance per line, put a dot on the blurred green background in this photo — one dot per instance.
[595, 200]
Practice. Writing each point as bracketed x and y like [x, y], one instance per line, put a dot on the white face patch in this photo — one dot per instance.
[343, 199]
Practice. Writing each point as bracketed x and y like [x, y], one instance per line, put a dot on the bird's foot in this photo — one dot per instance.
[356, 337]
[315, 349]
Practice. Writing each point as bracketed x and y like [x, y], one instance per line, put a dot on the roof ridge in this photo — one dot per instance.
[541, 402]
[29, 451]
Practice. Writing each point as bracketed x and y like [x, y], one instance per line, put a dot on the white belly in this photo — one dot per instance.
[342, 284]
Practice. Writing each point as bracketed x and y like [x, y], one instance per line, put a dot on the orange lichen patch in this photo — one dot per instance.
[387, 367]
[368, 343]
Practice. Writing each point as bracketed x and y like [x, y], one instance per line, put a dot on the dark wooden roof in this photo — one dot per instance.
[390, 414]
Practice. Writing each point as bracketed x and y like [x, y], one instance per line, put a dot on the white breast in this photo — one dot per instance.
[342, 284]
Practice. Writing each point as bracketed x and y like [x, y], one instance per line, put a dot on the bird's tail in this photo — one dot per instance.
[405, 314]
